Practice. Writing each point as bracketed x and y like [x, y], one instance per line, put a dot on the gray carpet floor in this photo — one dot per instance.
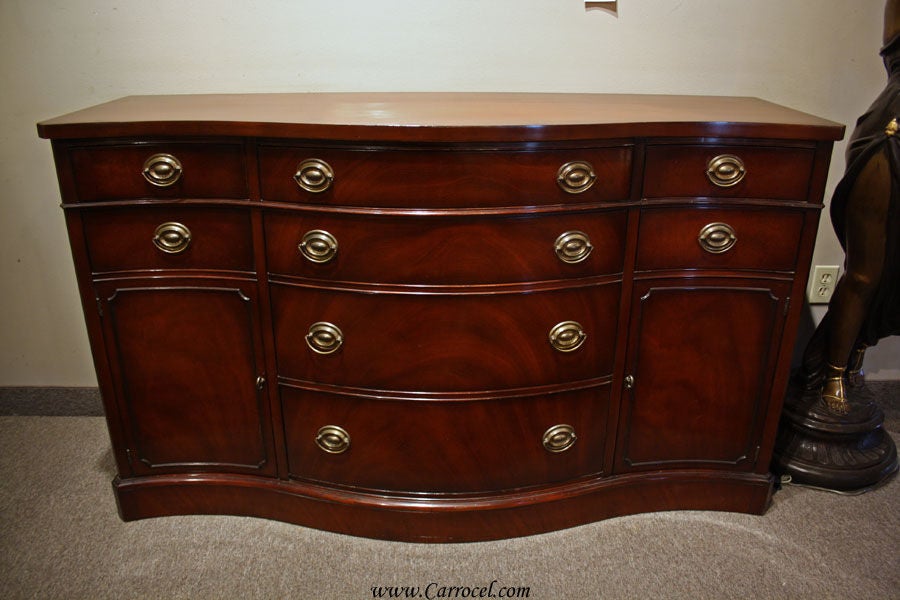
[60, 537]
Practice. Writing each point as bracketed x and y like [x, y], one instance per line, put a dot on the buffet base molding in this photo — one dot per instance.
[458, 519]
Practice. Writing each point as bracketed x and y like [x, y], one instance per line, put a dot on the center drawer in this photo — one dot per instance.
[444, 446]
[445, 250]
[444, 342]
[443, 178]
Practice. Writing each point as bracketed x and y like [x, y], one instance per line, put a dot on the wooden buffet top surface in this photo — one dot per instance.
[441, 116]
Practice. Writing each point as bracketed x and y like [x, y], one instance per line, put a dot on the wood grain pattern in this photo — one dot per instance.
[445, 342]
[766, 239]
[445, 446]
[679, 171]
[446, 250]
[120, 239]
[186, 362]
[113, 172]
[444, 177]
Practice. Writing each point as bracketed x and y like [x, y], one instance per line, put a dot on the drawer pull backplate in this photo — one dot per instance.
[314, 175]
[172, 238]
[318, 246]
[717, 238]
[567, 336]
[333, 439]
[324, 338]
[725, 170]
[576, 177]
[559, 438]
[162, 170]
[573, 247]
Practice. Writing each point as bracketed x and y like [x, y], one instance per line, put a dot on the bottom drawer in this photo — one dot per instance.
[444, 446]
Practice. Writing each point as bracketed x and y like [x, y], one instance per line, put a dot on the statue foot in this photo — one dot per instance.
[833, 394]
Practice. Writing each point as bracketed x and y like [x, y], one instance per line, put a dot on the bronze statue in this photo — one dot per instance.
[831, 435]
[865, 212]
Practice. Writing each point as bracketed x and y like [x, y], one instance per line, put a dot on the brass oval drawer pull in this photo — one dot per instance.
[725, 170]
[559, 438]
[162, 170]
[717, 238]
[576, 177]
[324, 338]
[314, 175]
[333, 439]
[172, 237]
[318, 246]
[573, 247]
[567, 336]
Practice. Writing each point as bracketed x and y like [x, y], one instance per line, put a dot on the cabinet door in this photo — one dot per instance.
[185, 360]
[701, 355]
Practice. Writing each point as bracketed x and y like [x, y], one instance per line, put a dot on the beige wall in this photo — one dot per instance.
[61, 55]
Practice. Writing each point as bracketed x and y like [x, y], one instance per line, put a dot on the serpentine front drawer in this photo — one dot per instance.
[453, 341]
[446, 249]
[461, 178]
[445, 446]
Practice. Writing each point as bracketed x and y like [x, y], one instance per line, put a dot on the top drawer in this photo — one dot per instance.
[444, 178]
[688, 171]
[159, 170]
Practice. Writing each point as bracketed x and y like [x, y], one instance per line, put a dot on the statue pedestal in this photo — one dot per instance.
[841, 452]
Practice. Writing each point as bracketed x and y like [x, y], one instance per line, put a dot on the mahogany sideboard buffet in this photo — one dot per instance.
[441, 317]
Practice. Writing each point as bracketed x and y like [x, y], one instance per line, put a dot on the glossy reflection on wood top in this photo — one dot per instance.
[429, 115]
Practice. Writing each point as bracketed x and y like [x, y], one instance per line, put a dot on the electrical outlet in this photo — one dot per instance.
[821, 284]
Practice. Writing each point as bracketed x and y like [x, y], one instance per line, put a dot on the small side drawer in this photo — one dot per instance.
[775, 173]
[719, 238]
[444, 446]
[417, 341]
[444, 250]
[177, 170]
[168, 237]
[443, 178]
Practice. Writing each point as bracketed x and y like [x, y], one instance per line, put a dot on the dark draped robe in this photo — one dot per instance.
[874, 134]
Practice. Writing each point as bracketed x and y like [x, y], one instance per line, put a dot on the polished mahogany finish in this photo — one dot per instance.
[446, 249]
[438, 178]
[105, 172]
[446, 446]
[441, 317]
[445, 342]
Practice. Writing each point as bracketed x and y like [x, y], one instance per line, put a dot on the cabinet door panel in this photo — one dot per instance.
[186, 364]
[701, 355]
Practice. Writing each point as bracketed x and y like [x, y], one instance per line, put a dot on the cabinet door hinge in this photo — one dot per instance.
[129, 457]
[99, 307]
[787, 305]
